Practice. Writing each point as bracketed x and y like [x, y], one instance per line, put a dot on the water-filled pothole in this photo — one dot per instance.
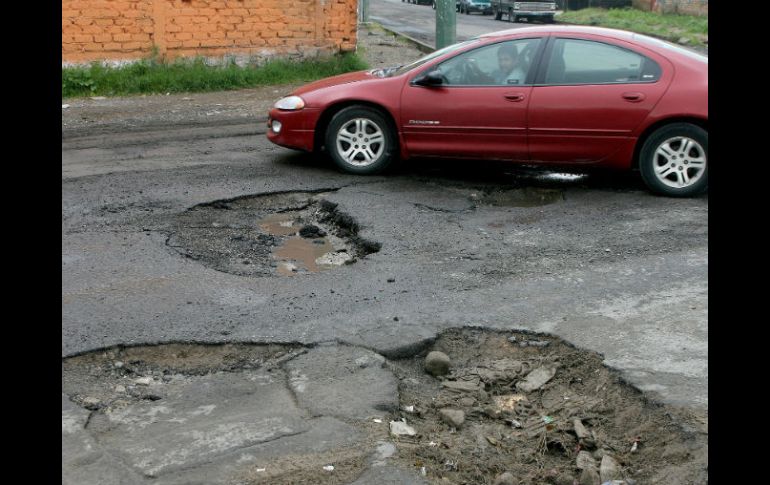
[262, 235]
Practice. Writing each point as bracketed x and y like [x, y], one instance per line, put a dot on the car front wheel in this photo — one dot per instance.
[674, 160]
[360, 140]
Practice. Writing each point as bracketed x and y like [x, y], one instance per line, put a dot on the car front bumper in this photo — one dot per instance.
[297, 128]
[524, 13]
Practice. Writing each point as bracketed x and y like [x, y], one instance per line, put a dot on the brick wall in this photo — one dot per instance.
[117, 30]
[688, 7]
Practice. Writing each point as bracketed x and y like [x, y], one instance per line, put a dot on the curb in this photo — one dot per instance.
[421, 46]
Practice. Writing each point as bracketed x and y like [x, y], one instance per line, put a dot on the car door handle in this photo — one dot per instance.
[634, 97]
[514, 96]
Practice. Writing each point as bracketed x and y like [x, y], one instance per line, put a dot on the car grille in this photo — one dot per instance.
[536, 6]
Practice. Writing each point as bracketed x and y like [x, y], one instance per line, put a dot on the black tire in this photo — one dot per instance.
[498, 14]
[650, 160]
[386, 153]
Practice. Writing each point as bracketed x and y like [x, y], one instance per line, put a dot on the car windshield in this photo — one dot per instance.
[398, 70]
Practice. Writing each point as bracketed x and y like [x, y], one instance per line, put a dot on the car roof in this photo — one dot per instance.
[561, 29]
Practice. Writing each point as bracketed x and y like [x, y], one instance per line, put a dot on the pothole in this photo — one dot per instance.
[530, 405]
[523, 197]
[542, 410]
[285, 234]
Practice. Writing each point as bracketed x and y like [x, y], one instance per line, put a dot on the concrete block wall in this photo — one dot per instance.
[115, 30]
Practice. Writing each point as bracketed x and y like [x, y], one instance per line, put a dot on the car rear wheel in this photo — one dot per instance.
[674, 160]
[360, 140]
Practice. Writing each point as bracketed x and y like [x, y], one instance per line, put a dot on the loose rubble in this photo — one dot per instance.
[437, 363]
[532, 413]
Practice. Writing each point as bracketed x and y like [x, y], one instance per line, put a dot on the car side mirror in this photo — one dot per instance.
[432, 78]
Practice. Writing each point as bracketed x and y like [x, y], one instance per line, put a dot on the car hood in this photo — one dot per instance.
[350, 77]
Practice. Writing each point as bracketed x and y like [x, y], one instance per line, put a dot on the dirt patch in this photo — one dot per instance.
[264, 235]
[533, 433]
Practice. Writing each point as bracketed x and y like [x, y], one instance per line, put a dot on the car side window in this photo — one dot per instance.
[576, 61]
[502, 64]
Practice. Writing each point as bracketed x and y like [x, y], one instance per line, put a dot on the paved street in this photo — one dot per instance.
[419, 21]
[597, 260]
[176, 212]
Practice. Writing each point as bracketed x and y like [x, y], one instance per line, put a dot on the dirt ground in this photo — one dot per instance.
[533, 434]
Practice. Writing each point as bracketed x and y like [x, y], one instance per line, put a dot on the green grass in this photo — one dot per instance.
[151, 76]
[671, 27]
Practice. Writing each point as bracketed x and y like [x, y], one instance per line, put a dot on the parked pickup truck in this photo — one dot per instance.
[529, 10]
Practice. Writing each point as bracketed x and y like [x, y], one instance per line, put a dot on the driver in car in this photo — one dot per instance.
[509, 69]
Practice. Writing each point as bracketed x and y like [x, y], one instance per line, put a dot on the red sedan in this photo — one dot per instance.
[560, 96]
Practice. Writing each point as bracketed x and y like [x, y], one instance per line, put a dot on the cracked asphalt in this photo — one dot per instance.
[594, 259]
[605, 265]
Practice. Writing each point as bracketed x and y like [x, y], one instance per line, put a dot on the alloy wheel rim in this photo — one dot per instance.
[679, 162]
[360, 142]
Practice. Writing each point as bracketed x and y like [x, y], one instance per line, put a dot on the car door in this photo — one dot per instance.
[471, 115]
[591, 94]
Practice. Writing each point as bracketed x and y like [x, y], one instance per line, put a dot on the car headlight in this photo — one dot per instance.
[290, 103]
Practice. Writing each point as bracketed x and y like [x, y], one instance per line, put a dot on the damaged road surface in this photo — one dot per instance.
[331, 413]
[190, 238]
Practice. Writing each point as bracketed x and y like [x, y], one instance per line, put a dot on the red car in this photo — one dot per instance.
[560, 96]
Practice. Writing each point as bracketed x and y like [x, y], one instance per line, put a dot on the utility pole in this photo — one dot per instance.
[363, 11]
[446, 23]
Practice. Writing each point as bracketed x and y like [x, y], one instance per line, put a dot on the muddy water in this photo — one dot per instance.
[280, 224]
[296, 254]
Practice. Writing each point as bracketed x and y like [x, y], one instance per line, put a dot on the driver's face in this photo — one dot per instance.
[505, 62]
